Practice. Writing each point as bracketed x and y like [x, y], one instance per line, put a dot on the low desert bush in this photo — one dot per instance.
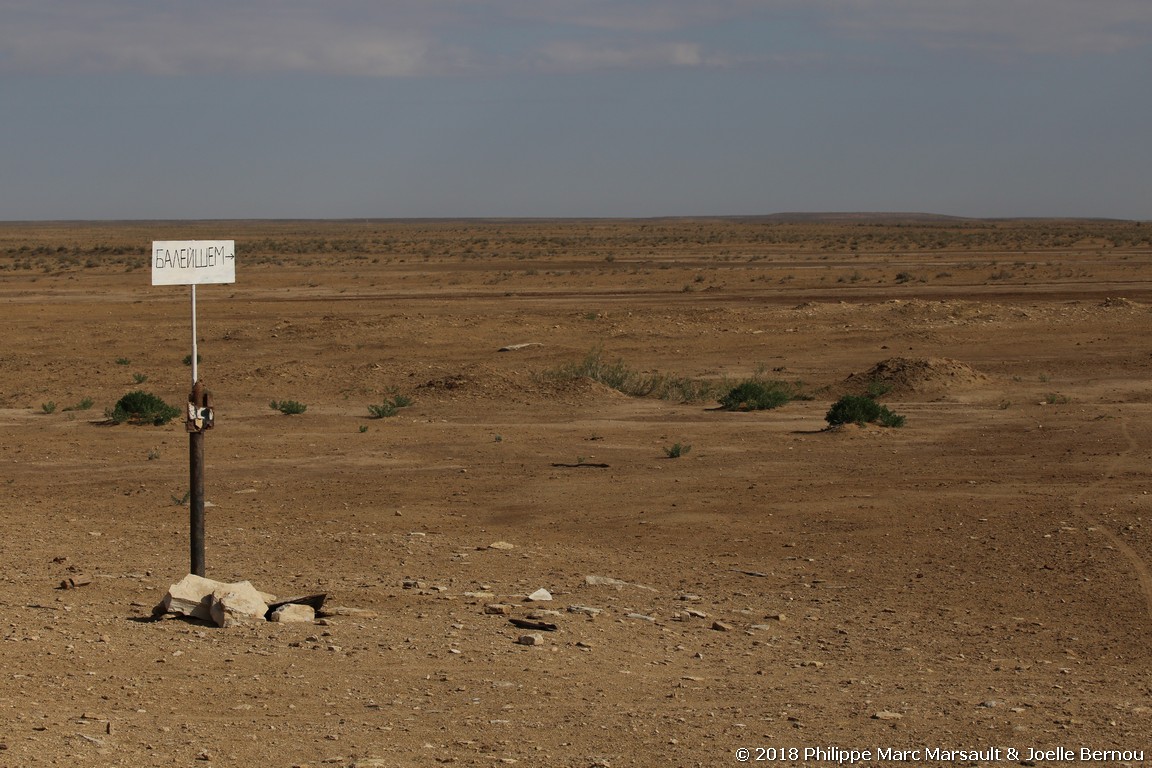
[676, 450]
[389, 407]
[287, 407]
[759, 395]
[142, 408]
[861, 409]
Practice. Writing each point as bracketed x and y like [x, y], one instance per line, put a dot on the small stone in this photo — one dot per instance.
[884, 714]
[497, 609]
[721, 626]
[340, 610]
[690, 598]
[540, 595]
[501, 545]
[533, 639]
[585, 609]
[640, 617]
[543, 613]
[989, 704]
[776, 617]
[608, 581]
[696, 614]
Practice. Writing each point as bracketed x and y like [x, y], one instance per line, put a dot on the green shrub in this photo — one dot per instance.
[889, 419]
[677, 450]
[382, 411]
[861, 409]
[142, 408]
[83, 405]
[757, 395]
[287, 407]
[389, 407]
[48, 407]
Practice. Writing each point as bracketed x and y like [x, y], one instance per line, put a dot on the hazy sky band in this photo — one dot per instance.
[541, 107]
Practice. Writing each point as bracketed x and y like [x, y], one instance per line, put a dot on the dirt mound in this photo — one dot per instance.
[1118, 302]
[918, 375]
[483, 382]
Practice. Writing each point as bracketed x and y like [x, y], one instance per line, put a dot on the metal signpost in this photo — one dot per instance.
[192, 263]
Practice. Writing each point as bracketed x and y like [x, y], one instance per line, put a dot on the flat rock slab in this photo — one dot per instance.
[191, 596]
[238, 603]
[293, 613]
[315, 602]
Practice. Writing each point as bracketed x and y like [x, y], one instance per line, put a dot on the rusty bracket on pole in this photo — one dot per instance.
[200, 416]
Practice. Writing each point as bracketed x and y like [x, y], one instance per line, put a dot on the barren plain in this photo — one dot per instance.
[980, 578]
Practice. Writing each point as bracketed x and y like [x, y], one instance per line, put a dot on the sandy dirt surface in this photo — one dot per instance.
[978, 579]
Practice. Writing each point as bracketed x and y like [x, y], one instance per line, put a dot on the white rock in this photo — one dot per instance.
[501, 545]
[608, 581]
[190, 597]
[540, 595]
[237, 603]
[293, 612]
[533, 639]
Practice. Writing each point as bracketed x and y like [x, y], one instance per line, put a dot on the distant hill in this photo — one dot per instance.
[834, 217]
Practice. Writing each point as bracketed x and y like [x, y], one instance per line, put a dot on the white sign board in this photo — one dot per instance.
[193, 262]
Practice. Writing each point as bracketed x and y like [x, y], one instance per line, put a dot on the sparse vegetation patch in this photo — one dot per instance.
[389, 407]
[617, 375]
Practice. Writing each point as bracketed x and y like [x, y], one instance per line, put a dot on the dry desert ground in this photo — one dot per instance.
[978, 579]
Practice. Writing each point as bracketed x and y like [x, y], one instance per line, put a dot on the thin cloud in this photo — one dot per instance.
[401, 38]
[111, 36]
[580, 56]
[999, 26]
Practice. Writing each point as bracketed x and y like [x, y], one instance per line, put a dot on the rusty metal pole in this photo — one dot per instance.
[196, 500]
[195, 428]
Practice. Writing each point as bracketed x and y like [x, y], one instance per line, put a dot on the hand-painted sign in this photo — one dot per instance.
[193, 262]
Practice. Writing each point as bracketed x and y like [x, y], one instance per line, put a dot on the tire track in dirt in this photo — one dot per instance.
[1143, 573]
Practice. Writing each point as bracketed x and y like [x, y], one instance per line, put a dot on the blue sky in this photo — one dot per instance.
[126, 109]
